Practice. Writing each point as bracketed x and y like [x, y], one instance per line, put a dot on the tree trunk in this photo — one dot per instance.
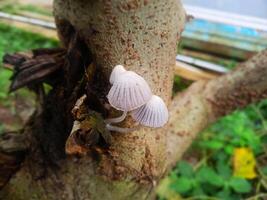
[142, 35]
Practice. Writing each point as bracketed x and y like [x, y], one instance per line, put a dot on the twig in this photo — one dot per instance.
[261, 195]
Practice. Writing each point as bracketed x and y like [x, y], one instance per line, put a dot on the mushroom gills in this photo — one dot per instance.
[153, 114]
[129, 91]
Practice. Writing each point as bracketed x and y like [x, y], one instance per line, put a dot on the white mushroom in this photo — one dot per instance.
[153, 114]
[129, 91]
[116, 119]
[118, 69]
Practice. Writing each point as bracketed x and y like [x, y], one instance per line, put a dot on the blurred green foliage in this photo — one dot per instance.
[180, 84]
[207, 171]
[14, 40]
[211, 173]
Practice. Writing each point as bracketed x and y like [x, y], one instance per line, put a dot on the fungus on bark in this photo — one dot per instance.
[153, 114]
[118, 69]
[130, 92]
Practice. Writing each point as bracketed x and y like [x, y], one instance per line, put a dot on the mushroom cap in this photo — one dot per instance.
[129, 91]
[118, 69]
[153, 114]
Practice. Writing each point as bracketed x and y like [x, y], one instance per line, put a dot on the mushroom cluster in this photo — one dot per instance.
[131, 93]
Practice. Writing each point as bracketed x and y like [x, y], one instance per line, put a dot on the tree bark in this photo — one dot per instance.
[206, 101]
[142, 35]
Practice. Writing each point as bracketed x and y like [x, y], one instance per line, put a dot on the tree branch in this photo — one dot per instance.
[205, 102]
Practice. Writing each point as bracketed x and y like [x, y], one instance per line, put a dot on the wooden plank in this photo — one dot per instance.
[209, 57]
[222, 39]
[217, 49]
[36, 16]
[32, 28]
[202, 64]
[190, 72]
[28, 20]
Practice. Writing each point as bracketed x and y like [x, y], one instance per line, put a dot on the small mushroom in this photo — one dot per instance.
[153, 114]
[129, 90]
[116, 119]
[118, 69]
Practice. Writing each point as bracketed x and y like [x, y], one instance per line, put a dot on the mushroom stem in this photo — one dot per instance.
[121, 130]
[116, 119]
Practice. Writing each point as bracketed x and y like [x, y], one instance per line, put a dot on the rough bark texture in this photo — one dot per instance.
[205, 102]
[143, 36]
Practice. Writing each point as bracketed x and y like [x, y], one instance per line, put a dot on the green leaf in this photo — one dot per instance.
[224, 170]
[212, 144]
[198, 191]
[224, 193]
[229, 149]
[264, 139]
[240, 185]
[185, 169]
[208, 175]
[182, 185]
[264, 170]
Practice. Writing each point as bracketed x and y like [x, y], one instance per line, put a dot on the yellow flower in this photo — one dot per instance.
[244, 163]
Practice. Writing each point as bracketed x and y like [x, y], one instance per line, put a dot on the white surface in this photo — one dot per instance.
[256, 8]
[244, 13]
[227, 17]
[28, 20]
[202, 64]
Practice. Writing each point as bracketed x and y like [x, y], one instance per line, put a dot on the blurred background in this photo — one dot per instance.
[255, 8]
[228, 160]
